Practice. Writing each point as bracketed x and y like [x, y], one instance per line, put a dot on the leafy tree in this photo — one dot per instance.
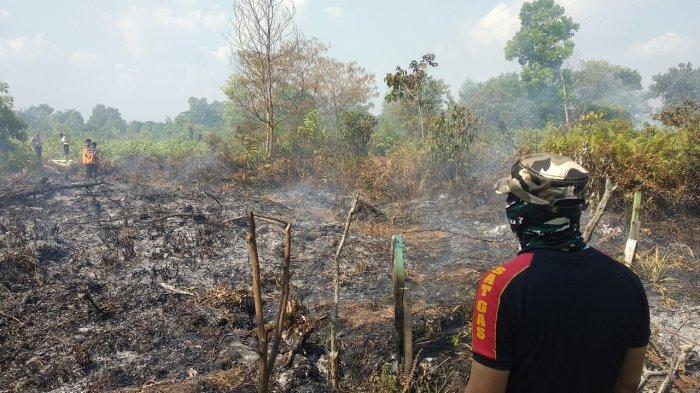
[37, 117]
[501, 103]
[68, 121]
[541, 46]
[677, 85]
[11, 125]
[602, 87]
[338, 87]
[106, 121]
[203, 113]
[410, 85]
[454, 133]
[684, 116]
[356, 131]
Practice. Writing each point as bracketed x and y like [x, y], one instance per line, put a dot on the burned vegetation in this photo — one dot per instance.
[144, 282]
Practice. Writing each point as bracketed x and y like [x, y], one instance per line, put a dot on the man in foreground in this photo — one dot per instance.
[561, 316]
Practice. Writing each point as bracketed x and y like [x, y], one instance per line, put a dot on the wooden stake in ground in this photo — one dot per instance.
[600, 208]
[398, 283]
[263, 374]
[407, 329]
[334, 356]
[267, 363]
[631, 246]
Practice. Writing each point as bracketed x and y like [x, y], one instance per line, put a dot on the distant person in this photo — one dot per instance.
[36, 144]
[561, 316]
[65, 145]
[96, 158]
[89, 159]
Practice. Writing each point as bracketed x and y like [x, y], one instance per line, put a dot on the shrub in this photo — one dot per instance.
[661, 161]
[356, 131]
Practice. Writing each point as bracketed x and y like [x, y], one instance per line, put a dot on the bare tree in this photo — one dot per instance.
[264, 45]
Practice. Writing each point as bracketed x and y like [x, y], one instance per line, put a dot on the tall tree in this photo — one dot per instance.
[11, 125]
[66, 121]
[500, 103]
[339, 87]
[37, 117]
[410, 85]
[677, 85]
[612, 89]
[264, 42]
[542, 44]
[106, 120]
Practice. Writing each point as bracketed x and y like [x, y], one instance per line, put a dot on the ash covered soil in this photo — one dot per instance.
[142, 283]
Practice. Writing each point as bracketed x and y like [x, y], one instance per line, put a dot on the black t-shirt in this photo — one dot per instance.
[560, 322]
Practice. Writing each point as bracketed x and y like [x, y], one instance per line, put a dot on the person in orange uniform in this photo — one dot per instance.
[89, 159]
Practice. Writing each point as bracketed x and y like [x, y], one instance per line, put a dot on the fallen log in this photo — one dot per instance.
[13, 196]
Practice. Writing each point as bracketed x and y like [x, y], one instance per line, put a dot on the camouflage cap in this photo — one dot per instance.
[545, 179]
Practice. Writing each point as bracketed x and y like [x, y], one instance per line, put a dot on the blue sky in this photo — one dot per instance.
[147, 57]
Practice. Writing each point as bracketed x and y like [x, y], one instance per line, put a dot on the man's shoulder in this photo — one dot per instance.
[495, 281]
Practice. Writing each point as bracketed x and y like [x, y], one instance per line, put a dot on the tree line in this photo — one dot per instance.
[286, 88]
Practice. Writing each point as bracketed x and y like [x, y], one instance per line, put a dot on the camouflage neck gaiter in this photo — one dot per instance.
[537, 228]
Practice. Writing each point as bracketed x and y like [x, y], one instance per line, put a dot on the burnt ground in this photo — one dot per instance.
[82, 308]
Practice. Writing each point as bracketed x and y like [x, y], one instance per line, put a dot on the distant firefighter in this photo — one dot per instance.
[89, 159]
[36, 144]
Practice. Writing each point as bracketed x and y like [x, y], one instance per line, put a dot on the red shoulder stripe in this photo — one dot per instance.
[488, 300]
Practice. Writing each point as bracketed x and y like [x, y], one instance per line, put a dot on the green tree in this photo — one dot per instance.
[356, 131]
[106, 121]
[68, 121]
[614, 90]
[677, 85]
[37, 117]
[541, 46]
[203, 113]
[410, 85]
[501, 103]
[11, 125]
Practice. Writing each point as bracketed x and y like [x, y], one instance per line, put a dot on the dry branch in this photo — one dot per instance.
[172, 289]
[600, 208]
[334, 356]
[680, 359]
[12, 196]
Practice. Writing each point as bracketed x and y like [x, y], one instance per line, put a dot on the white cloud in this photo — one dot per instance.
[497, 26]
[221, 52]
[297, 4]
[335, 11]
[29, 47]
[142, 27]
[666, 44]
[5, 14]
[82, 58]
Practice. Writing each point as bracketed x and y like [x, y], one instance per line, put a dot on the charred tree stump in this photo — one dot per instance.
[635, 224]
[334, 356]
[600, 208]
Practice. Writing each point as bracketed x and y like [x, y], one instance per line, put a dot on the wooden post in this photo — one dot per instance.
[600, 208]
[334, 357]
[635, 224]
[263, 375]
[407, 333]
[279, 324]
[398, 281]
